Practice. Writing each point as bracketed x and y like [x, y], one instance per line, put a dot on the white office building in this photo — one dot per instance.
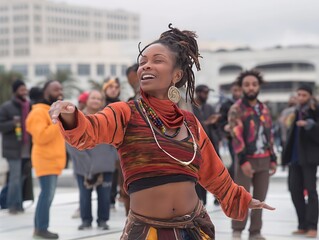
[283, 68]
[24, 25]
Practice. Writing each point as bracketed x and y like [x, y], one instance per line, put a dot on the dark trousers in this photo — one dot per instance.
[103, 199]
[260, 182]
[114, 191]
[231, 168]
[304, 178]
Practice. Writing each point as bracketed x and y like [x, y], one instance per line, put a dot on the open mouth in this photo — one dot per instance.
[147, 77]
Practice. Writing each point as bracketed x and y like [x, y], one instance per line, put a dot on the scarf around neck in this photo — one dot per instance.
[170, 114]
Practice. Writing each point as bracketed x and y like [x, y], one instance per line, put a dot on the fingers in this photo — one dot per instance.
[266, 206]
[59, 107]
[256, 204]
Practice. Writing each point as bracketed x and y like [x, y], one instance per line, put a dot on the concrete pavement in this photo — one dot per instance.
[277, 224]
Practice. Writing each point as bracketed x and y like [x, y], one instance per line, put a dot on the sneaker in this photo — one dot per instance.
[236, 235]
[103, 226]
[256, 236]
[299, 232]
[45, 234]
[85, 225]
[311, 234]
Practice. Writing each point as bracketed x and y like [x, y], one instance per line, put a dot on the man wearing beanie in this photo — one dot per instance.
[15, 142]
[301, 155]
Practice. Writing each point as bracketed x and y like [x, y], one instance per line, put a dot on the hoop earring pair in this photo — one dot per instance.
[174, 94]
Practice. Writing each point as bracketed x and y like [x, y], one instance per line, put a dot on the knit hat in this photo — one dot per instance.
[83, 97]
[16, 84]
[306, 87]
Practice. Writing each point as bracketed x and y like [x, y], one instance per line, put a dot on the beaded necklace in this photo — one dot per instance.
[160, 147]
[155, 119]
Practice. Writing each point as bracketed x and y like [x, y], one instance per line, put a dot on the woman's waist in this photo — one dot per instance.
[180, 221]
[165, 201]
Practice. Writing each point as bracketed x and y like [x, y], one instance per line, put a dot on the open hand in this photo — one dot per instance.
[59, 107]
[247, 169]
[256, 204]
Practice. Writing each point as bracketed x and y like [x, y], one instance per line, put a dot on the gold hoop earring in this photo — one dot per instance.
[174, 94]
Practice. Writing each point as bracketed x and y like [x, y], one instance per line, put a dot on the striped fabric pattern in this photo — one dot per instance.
[142, 158]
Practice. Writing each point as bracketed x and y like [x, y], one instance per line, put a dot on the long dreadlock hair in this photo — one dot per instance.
[184, 46]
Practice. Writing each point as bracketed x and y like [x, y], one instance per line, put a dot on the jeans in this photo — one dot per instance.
[14, 197]
[48, 186]
[103, 199]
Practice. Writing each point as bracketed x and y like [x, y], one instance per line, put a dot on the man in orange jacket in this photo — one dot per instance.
[48, 155]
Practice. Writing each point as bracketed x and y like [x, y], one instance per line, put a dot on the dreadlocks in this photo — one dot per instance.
[184, 46]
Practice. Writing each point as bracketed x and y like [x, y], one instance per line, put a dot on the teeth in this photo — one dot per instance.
[148, 76]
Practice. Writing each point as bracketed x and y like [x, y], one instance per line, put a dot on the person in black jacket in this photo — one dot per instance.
[236, 93]
[301, 154]
[15, 142]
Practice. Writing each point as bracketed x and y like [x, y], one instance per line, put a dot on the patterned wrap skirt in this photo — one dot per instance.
[195, 226]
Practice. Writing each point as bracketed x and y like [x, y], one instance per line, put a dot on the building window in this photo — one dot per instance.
[63, 67]
[100, 70]
[21, 52]
[123, 70]
[113, 69]
[42, 70]
[286, 67]
[20, 68]
[230, 69]
[84, 69]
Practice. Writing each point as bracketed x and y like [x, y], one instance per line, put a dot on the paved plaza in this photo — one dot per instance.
[277, 224]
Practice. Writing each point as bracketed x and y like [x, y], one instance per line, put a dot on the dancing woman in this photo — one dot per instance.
[164, 150]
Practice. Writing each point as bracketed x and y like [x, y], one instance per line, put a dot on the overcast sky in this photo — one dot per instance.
[258, 23]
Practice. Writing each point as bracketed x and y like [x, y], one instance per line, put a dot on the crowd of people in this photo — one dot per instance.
[164, 184]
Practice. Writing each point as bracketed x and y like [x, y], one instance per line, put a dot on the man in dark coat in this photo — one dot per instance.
[223, 122]
[15, 142]
[302, 155]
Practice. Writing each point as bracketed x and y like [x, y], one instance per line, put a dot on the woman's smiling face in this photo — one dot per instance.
[156, 71]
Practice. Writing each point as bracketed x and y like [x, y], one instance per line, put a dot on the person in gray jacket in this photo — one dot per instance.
[94, 169]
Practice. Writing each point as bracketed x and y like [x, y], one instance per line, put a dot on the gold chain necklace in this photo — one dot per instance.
[167, 153]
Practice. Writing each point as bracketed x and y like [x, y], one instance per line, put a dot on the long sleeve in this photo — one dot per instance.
[6, 124]
[214, 177]
[107, 126]
[237, 129]
[39, 125]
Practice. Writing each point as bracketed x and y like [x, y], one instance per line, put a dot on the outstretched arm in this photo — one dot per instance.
[214, 177]
[107, 126]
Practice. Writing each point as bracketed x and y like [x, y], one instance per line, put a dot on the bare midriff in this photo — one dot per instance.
[165, 201]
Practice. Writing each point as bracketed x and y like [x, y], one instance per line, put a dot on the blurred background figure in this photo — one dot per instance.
[208, 118]
[112, 90]
[82, 99]
[250, 123]
[236, 93]
[284, 120]
[48, 155]
[301, 154]
[94, 169]
[131, 74]
[35, 95]
[16, 144]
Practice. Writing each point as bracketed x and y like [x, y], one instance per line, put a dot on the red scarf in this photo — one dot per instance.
[170, 114]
